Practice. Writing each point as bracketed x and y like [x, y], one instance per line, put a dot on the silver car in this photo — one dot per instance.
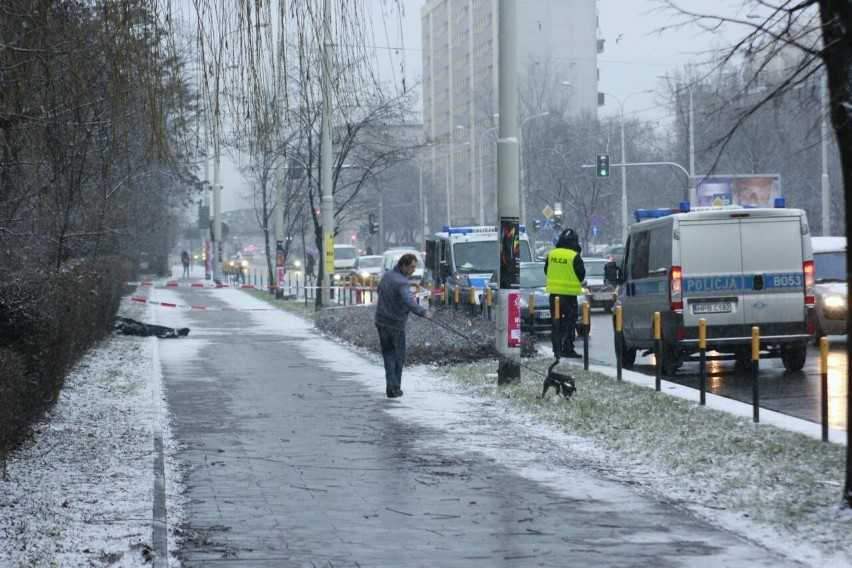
[830, 287]
[598, 293]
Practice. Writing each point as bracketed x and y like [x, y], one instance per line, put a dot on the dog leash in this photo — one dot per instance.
[500, 356]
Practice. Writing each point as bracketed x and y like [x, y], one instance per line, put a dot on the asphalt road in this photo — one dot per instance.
[793, 393]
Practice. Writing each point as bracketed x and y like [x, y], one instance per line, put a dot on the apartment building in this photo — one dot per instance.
[558, 44]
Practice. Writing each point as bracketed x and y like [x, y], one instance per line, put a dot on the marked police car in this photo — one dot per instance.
[464, 258]
[734, 267]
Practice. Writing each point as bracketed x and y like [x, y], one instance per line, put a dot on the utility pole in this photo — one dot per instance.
[507, 325]
[325, 159]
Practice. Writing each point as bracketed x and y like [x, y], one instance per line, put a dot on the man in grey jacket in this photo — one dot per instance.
[395, 301]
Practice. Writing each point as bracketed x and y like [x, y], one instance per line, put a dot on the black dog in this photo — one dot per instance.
[562, 384]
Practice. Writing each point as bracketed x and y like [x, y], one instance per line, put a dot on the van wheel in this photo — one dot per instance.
[793, 356]
[628, 354]
[670, 361]
[742, 360]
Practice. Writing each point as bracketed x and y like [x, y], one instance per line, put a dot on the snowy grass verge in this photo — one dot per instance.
[724, 468]
[80, 491]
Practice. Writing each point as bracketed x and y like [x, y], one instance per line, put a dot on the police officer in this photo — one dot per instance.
[565, 272]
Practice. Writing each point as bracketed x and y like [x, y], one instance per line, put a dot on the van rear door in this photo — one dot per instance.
[712, 264]
[743, 271]
[773, 260]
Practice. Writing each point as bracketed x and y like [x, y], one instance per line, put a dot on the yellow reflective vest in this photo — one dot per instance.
[561, 278]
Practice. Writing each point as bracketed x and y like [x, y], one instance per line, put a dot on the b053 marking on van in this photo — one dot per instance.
[742, 283]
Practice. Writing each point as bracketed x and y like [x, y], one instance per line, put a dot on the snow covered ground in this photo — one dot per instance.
[81, 492]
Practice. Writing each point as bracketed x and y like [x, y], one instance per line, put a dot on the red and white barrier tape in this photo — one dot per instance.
[192, 307]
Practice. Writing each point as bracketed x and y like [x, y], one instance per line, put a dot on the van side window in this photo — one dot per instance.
[639, 255]
[660, 249]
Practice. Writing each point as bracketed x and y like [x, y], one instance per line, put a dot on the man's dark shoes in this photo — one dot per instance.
[393, 392]
[390, 394]
[572, 355]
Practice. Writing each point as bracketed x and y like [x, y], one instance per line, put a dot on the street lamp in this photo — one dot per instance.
[481, 188]
[623, 160]
[523, 165]
[690, 86]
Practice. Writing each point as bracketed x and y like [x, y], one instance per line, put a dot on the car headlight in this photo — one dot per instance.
[586, 290]
[523, 303]
[297, 264]
[365, 274]
[245, 264]
[834, 301]
[462, 279]
[337, 277]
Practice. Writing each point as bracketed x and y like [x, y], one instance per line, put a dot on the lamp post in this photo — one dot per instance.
[624, 216]
[420, 201]
[449, 155]
[690, 87]
[481, 186]
[826, 188]
[523, 165]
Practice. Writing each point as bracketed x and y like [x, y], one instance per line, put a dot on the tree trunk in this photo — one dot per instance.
[837, 56]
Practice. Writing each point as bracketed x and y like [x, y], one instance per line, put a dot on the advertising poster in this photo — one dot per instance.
[510, 253]
[514, 327]
[746, 190]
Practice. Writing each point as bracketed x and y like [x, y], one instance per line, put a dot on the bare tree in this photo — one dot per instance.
[818, 33]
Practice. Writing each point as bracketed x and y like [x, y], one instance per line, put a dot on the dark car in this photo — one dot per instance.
[598, 293]
[533, 281]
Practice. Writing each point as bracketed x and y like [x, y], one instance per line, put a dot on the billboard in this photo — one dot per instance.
[750, 190]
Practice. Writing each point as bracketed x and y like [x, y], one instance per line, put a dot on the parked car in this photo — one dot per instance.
[533, 281]
[366, 267]
[615, 254]
[598, 293]
[830, 287]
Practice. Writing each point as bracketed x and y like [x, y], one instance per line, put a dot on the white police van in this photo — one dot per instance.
[465, 258]
[734, 267]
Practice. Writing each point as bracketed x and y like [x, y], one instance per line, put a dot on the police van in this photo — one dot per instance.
[732, 266]
[465, 258]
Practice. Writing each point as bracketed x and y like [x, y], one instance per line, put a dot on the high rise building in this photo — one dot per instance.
[558, 44]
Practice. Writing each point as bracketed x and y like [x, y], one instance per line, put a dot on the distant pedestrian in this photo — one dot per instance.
[185, 261]
[565, 272]
[394, 304]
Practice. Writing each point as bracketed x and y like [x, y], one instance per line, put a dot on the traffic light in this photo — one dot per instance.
[372, 224]
[537, 224]
[603, 165]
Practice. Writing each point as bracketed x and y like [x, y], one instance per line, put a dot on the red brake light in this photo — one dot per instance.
[808, 268]
[676, 288]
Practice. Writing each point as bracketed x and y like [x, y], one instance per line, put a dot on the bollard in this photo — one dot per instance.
[619, 340]
[472, 300]
[456, 294]
[488, 294]
[585, 336]
[658, 349]
[702, 361]
[823, 385]
[755, 364]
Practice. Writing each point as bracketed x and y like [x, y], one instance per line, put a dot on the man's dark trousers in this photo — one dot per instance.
[392, 342]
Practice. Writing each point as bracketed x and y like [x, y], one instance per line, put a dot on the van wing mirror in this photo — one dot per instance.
[612, 273]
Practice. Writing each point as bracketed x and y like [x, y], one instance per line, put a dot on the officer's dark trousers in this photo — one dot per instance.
[563, 329]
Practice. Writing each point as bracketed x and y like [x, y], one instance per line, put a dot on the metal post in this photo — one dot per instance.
[826, 188]
[691, 188]
[623, 181]
[325, 158]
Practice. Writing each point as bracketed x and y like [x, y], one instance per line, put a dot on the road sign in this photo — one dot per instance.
[596, 231]
[594, 220]
[547, 211]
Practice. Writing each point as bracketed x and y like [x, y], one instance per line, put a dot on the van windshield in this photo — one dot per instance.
[483, 256]
[345, 253]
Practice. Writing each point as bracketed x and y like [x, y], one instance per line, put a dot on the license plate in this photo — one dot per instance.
[715, 308]
[601, 297]
[542, 314]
